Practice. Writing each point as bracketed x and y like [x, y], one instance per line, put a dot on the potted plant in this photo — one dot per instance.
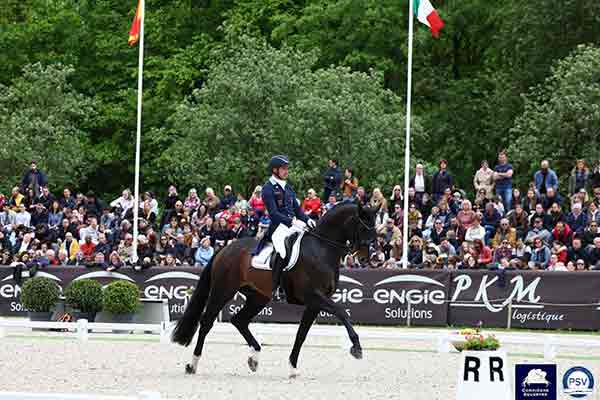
[39, 296]
[474, 340]
[85, 298]
[122, 300]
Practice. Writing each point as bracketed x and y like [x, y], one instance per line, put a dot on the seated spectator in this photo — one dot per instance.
[125, 249]
[505, 232]
[581, 265]
[519, 220]
[114, 262]
[445, 248]
[211, 202]
[560, 250]
[530, 201]
[577, 219]
[331, 202]
[192, 202]
[591, 233]
[415, 252]
[397, 198]
[522, 251]
[482, 253]
[125, 203]
[592, 215]
[70, 246]
[392, 238]
[551, 197]
[593, 255]
[540, 254]
[540, 213]
[538, 230]
[556, 215]
[377, 200]
[562, 233]
[362, 195]
[576, 251]
[504, 249]
[228, 199]
[256, 202]
[223, 235]
[204, 253]
[415, 220]
[476, 231]
[87, 249]
[312, 205]
[91, 230]
[491, 219]
[98, 261]
[351, 262]
[398, 216]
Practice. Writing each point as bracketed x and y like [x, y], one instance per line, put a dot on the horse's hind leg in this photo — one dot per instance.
[255, 302]
[216, 301]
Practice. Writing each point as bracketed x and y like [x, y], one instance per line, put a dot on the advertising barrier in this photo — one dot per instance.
[546, 300]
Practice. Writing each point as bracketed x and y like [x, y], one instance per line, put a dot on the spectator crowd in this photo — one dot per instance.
[544, 227]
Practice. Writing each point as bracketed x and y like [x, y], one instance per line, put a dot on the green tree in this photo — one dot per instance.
[42, 117]
[561, 121]
[259, 100]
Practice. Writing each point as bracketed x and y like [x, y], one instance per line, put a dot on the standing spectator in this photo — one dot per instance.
[349, 185]
[419, 183]
[545, 178]
[312, 205]
[503, 173]
[441, 181]
[34, 179]
[580, 178]
[170, 201]
[332, 179]
[484, 180]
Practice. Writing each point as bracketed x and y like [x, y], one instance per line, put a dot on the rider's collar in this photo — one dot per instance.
[275, 180]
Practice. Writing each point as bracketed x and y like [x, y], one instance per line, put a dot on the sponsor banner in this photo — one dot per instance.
[384, 297]
[373, 297]
[533, 299]
[154, 283]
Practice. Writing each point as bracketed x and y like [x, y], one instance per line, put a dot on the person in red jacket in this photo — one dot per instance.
[312, 205]
[563, 233]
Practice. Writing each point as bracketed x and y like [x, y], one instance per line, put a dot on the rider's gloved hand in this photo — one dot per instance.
[311, 223]
[298, 223]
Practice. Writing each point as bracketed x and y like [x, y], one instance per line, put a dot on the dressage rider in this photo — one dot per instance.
[283, 207]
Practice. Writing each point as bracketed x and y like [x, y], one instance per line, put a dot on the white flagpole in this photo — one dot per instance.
[405, 237]
[136, 206]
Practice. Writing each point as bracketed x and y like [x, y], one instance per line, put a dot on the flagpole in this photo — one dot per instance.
[136, 206]
[405, 237]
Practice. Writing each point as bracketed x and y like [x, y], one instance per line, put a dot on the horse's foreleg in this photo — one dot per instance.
[308, 317]
[328, 305]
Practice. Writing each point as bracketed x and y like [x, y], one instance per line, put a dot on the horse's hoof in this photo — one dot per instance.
[253, 363]
[189, 369]
[293, 371]
[356, 352]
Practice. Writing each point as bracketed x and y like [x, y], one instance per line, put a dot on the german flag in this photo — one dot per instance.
[134, 32]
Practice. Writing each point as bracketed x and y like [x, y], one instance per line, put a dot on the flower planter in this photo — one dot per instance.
[125, 318]
[77, 315]
[40, 316]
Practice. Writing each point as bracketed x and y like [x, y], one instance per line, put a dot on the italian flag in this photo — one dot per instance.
[427, 15]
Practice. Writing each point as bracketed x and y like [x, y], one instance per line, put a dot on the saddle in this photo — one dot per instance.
[286, 243]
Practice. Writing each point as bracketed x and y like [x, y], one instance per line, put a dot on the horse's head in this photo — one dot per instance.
[365, 229]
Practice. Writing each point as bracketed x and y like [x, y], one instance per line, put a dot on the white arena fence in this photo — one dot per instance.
[442, 339]
[64, 396]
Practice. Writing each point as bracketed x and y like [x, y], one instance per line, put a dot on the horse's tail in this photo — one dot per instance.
[188, 324]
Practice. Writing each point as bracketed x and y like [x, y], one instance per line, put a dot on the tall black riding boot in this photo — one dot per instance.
[276, 274]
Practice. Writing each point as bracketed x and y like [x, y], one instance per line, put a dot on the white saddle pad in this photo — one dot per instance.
[263, 259]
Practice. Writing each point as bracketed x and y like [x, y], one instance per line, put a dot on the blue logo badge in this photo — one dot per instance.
[578, 382]
[535, 381]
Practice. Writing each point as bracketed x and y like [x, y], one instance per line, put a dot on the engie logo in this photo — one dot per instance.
[348, 295]
[578, 382]
[170, 292]
[412, 296]
[10, 290]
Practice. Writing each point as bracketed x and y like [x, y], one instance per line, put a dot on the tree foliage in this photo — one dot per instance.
[259, 101]
[45, 119]
[561, 120]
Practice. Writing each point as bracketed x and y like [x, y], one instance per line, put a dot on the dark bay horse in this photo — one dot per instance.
[311, 283]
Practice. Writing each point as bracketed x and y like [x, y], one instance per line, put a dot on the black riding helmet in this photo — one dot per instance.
[278, 161]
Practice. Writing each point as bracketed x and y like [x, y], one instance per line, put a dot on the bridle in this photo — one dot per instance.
[349, 248]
